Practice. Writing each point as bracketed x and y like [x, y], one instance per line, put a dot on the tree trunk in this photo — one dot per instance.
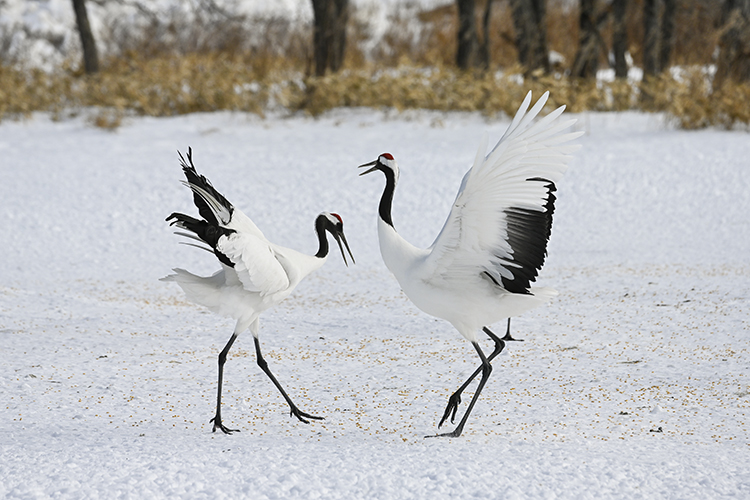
[329, 34]
[529, 22]
[90, 57]
[338, 43]
[466, 53]
[540, 53]
[521, 25]
[321, 35]
[651, 38]
[587, 58]
[734, 43]
[666, 39]
[619, 37]
[484, 47]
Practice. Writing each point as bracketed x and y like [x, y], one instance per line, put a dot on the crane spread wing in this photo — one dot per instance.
[500, 223]
[255, 262]
[232, 235]
[212, 205]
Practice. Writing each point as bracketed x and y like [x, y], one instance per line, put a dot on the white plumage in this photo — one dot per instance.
[494, 241]
[255, 275]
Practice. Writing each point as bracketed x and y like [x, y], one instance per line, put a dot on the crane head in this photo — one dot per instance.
[385, 163]
[334, 224]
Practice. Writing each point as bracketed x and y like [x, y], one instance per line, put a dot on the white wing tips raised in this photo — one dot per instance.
[524, 116]
[523, 111]
[501, 221]
[525, 138]
[535, 110]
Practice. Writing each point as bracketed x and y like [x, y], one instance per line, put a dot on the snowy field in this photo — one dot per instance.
[633, 383]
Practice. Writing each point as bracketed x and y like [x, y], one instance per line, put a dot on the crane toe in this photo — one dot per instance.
[451, 409]
[453, 434]
[302, 416]
[221, 427]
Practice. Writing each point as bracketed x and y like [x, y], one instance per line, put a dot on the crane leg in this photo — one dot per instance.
[455, 399]
[486, 370]
[302, 416]
[507, 335]
[222, 359]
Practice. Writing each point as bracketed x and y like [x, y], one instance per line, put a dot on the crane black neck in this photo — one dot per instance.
[386, 201]
[320, 228]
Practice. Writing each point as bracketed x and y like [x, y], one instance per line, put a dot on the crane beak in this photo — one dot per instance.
[370, 170]
[339, 235]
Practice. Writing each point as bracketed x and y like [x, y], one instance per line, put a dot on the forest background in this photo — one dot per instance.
[689, 59]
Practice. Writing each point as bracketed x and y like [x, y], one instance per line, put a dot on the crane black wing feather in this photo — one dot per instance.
[234, 238]
[528, 233]
[210, 233]
[200, 182]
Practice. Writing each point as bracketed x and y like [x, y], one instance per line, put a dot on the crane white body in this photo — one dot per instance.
[468, 302]
[224, 292]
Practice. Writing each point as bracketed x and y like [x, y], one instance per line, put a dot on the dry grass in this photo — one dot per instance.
[166, 86]
[158, 86]
[693, 104]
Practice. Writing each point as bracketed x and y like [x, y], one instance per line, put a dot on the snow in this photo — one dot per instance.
[632, 383]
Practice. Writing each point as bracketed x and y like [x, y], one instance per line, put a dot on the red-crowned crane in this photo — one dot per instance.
[494, 242]
[255, 273]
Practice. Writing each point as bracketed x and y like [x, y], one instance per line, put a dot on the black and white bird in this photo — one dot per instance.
[255, 273]
[494, 242]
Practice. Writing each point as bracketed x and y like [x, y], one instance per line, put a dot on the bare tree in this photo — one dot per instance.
[471, 51]
[650, 38]
[658, 29]
[90, 57]
[467, 34]
[484, 46]
[619, 37]
[587, 58]
[666, 34]
[466, 53]
[529, 21]
[734, 43]
[591, 45]
[329, 34]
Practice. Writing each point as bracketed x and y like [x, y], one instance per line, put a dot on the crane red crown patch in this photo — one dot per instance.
[387, 156]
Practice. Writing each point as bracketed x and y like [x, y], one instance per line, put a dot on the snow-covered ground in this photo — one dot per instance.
[633, 383]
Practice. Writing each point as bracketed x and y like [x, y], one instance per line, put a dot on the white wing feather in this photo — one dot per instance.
[244, 224]
[255, 263]
[474, 237]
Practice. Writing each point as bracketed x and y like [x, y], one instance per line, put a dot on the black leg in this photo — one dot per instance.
[507, 335]
[486, 371]
[222, 359]
[455, 398]
[302, 416]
